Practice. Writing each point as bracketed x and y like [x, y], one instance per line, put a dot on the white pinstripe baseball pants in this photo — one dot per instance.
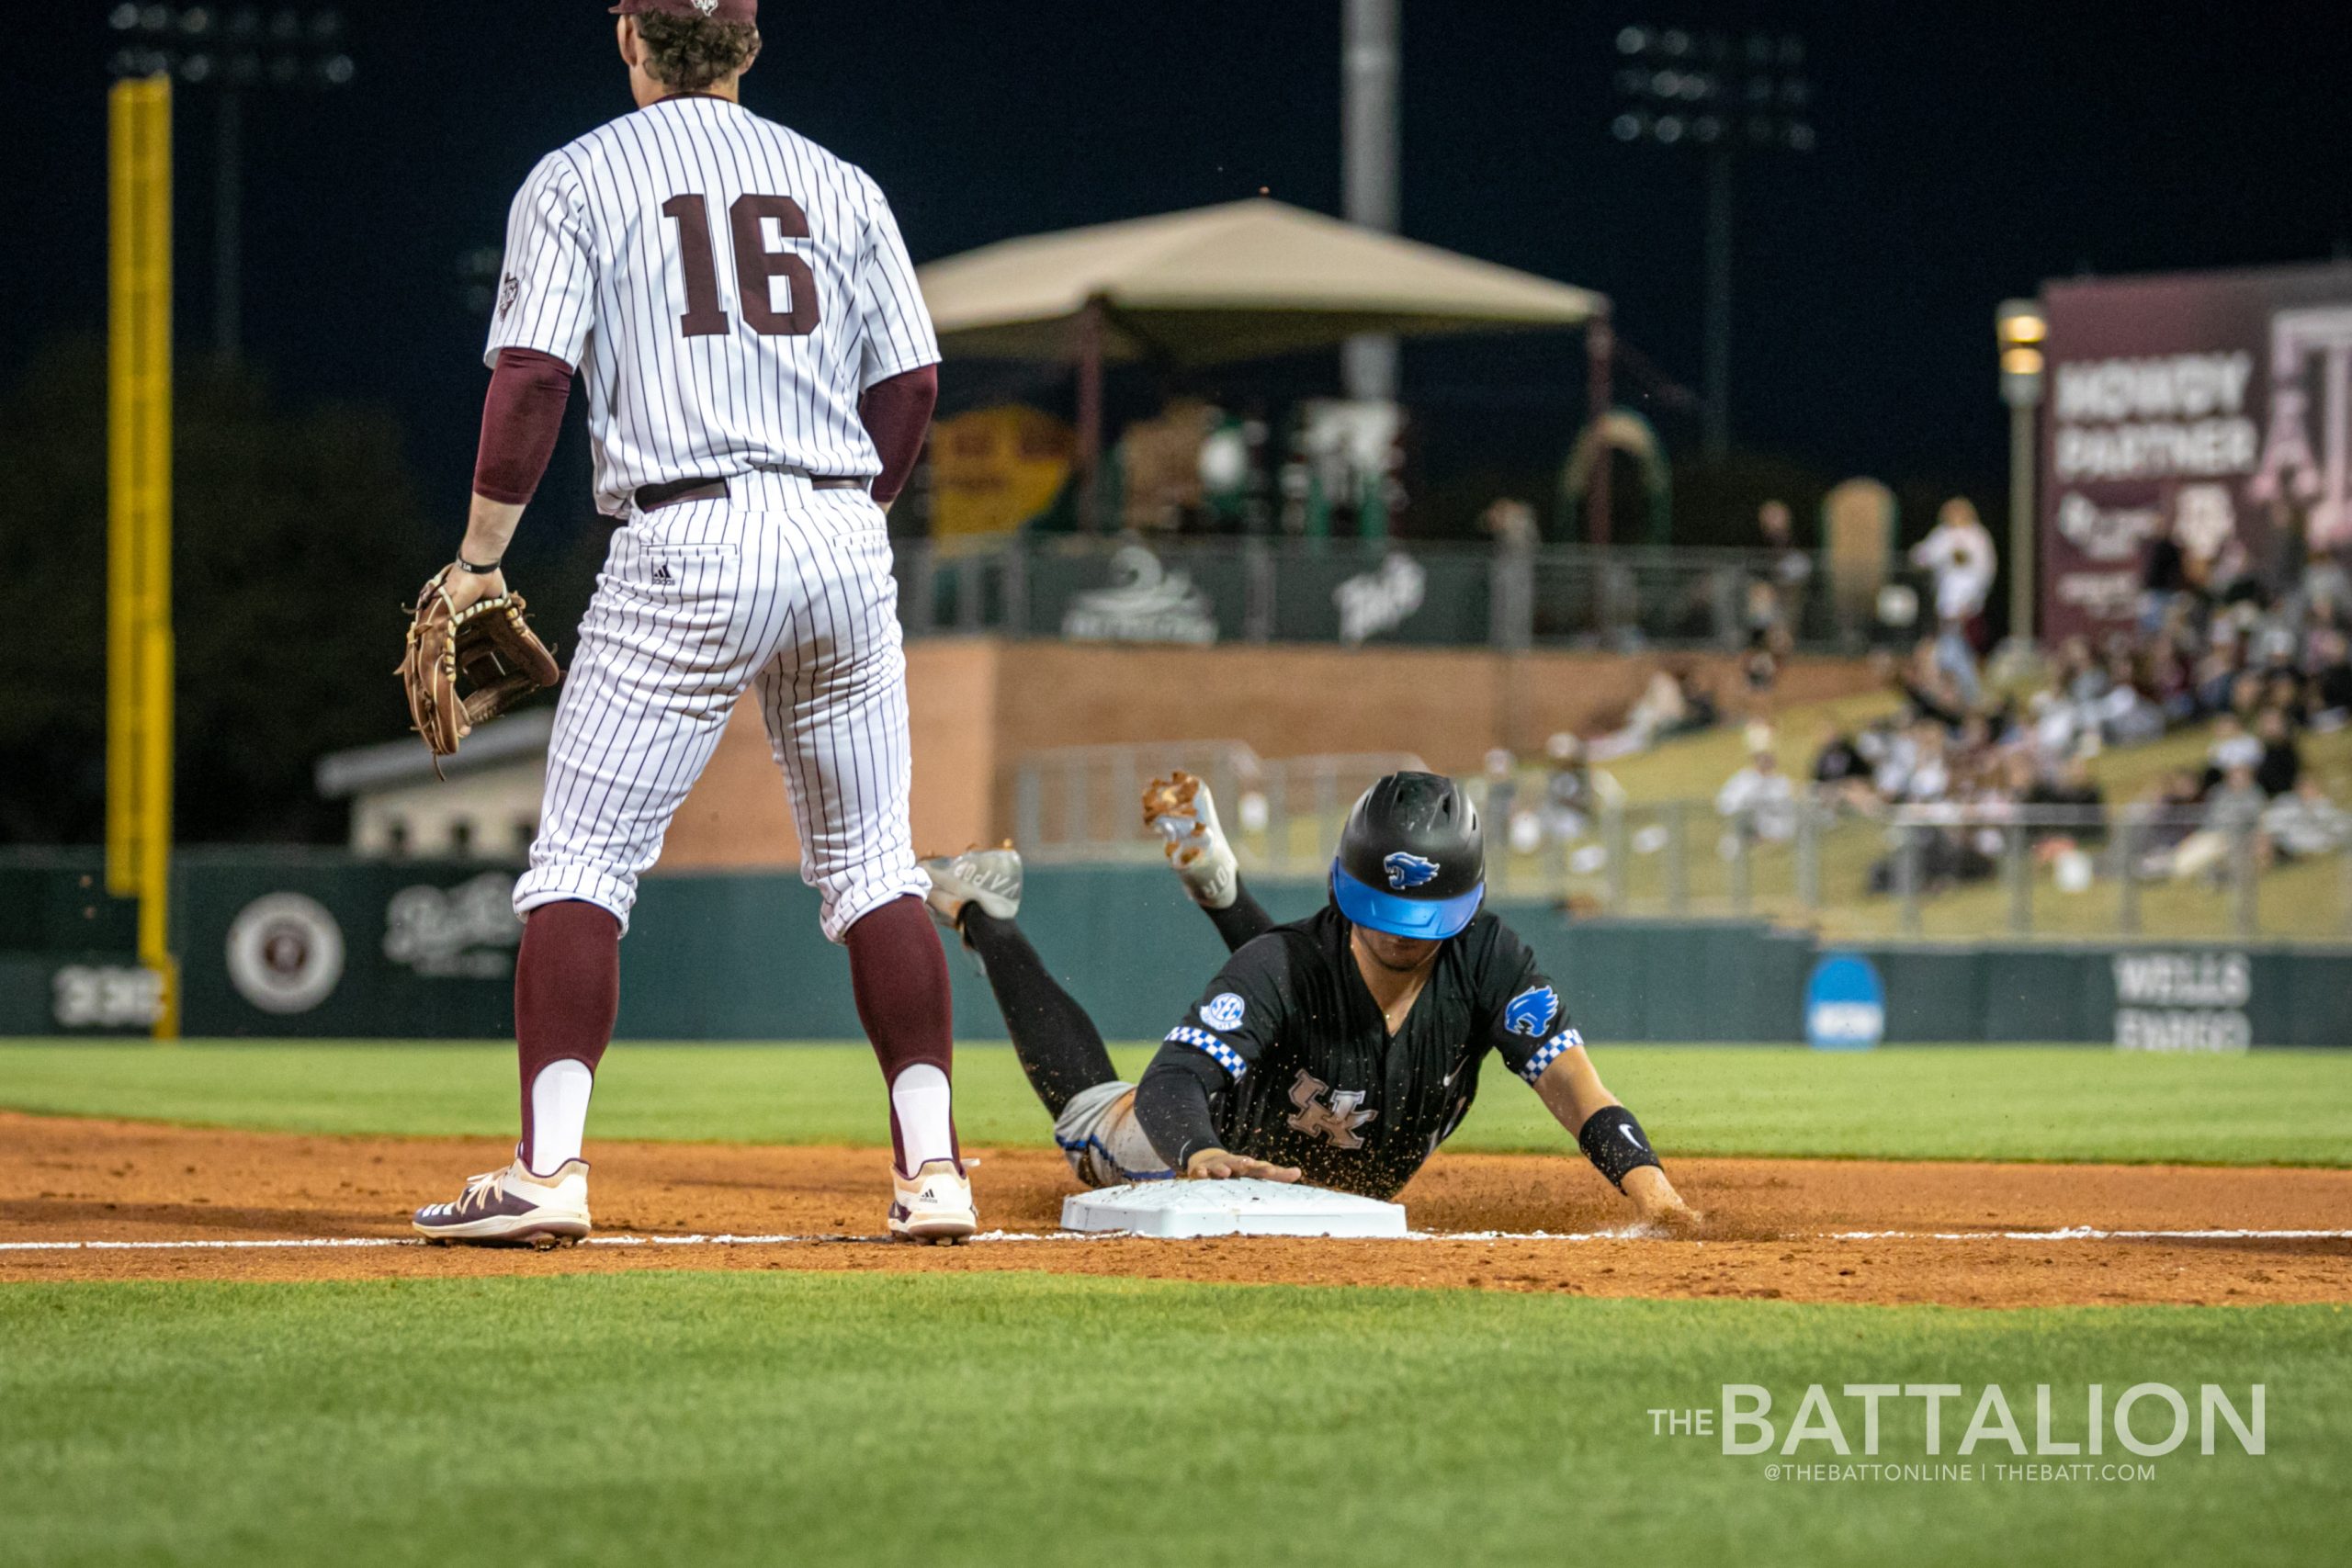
[782, 588]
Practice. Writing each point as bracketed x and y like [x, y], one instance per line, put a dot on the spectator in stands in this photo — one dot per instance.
[1776, 590]
[2330, 691]
[1569, 802]
[1838, 766]
[2232, 811]
[2074, 790]
[1927, 686]
[2165, 815]
[1792, 568]
[2079, 677]
[2232, 747]
[1918, 770]
[1673, 703]
[2053, 728]
[2164, 581]
[2168, 686]
[1959, 553]
[2127, 714]
[2286, 690]
[2281, 767]
[1759, 801]
[1517, 820]
[2246, 689]
[2305, 822]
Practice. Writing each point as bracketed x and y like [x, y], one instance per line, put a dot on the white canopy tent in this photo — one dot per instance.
[1242, 280]
[1239, 281]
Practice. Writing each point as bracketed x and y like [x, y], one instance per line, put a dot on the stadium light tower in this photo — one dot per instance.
[1723, 97]
[1368, 106]
[235, 52]
[2020, 327]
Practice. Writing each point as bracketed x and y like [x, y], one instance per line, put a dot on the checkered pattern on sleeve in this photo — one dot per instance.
[1225, 1056]
[1550, 1053]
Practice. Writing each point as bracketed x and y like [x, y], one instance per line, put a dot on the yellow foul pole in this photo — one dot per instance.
[138, 525]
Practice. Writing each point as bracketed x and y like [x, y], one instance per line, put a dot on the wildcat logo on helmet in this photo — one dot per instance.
[1408, 871]
[1531, 1012]
[1223, 1011]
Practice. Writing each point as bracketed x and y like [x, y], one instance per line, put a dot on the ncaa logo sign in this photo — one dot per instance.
[1408, 871]
[1532, 1012]
[1845, 1004]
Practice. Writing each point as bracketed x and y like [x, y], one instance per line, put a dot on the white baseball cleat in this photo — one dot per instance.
[512, 1205]
[932, 1205]
[1181, 810]
[990, 878]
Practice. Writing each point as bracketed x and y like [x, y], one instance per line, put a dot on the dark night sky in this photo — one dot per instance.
[1966, 152]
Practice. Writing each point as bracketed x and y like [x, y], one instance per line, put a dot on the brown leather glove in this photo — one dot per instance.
[487, 644]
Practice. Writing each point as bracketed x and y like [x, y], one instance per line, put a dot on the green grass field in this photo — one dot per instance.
[1013, 1418]
[1035, 1419]
[1917, 1102]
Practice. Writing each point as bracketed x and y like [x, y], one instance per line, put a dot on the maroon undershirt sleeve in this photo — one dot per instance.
[897, 414]
[520, 421]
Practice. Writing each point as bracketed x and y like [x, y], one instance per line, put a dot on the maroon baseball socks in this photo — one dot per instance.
[567, 994]
[898, 974]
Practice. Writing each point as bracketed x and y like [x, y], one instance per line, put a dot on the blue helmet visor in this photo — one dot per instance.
[1432, 920]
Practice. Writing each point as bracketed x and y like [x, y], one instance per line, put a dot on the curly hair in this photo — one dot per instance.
[688, 53]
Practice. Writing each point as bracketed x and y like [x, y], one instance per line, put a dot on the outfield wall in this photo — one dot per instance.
[320, 945]
[978, 705]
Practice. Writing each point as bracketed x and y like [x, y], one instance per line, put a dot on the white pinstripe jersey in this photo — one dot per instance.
[727, 288]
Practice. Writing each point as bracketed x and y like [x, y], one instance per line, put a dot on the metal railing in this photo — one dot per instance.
[1927, 871]
[1994, 869]
[1254, 590]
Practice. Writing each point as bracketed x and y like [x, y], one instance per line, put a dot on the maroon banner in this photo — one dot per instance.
[2211, 409]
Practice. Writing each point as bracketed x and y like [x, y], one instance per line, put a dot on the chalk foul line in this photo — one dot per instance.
[293, 1244]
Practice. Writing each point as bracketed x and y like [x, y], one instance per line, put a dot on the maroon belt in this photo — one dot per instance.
[651, 497]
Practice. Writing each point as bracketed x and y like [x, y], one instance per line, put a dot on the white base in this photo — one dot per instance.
[1230, 1208]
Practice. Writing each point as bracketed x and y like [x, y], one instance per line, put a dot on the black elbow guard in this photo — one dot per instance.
[1615, 1143]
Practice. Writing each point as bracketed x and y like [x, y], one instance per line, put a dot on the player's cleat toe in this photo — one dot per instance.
[934, 1205]
[990, 878]
[513, 1206]
[1181, 810]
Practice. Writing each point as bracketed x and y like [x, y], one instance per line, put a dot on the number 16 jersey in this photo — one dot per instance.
[727, 288]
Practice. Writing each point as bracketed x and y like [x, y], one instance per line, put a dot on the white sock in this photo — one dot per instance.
[558, 1114]
[921, 1102]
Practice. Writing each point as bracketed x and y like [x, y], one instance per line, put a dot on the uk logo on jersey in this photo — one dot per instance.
[1223, 1011]
[1531, 1011]
[1337, 1120]
[1408, 871]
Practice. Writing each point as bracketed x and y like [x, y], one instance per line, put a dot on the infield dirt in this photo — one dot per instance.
[1770, 1231]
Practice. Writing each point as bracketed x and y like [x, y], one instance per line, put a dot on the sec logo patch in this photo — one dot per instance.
[1223, 1011]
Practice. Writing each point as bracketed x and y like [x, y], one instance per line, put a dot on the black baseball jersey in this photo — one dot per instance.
[1313, 1079]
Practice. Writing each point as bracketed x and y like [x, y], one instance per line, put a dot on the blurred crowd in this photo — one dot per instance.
[1980, 761]
[2261, 675]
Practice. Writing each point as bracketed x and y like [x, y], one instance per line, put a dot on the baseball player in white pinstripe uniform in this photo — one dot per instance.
[760, 371]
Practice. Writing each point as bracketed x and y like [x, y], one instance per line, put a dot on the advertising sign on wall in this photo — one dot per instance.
[2212, 409]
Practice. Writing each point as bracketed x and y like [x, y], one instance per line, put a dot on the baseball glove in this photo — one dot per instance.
[487, 645]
